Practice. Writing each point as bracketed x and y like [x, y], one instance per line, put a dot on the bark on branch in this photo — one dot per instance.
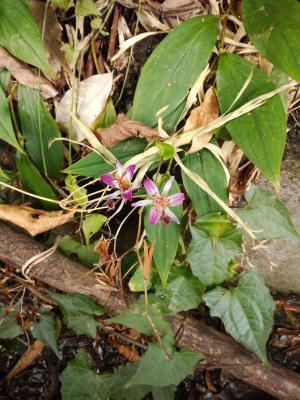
[218, 348]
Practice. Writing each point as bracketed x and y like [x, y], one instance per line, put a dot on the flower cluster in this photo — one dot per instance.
[160, 202]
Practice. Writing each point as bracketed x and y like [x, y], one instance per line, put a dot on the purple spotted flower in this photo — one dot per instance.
[122, 181]
[161, 202]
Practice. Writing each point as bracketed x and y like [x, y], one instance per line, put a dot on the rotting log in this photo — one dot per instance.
[218, 348]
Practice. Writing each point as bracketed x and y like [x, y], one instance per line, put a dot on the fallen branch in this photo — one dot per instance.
[219, 349]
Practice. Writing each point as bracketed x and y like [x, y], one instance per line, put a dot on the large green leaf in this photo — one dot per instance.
[184, 291]
[78, 311]
[135, 317]
[205, 164]
[246, 310]
[261, 133]
[209, 256]
[92, 224]
[33, 180]
[94, 165]
[9, 327]
[80, 382]
[157, 370]
[86, 254]
[274, 29]
[6, 129]
[38, 127]
[166, 238]
[20, 35]
[267, 216]
[45, 330]
[172, 69]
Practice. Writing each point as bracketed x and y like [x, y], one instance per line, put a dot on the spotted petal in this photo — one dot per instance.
[150, 187]
[127, 196]
[119, 168]
[155, 215]
[130, 172]
[176, 199]
[171, 215]
[168, 185]
[108, 179]
[142, 203]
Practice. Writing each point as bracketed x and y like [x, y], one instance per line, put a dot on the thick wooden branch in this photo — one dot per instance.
[219, 349]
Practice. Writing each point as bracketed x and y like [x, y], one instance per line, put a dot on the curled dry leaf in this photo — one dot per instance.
[27, 358]
[205, 113]
[52, 33]
[24, 75]
[90, 96]
[32, 220]
[124, 129]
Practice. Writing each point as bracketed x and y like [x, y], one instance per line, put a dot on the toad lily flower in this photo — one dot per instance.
[122, 181]
[161, 202]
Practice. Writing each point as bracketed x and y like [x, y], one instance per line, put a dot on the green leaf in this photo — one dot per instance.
[79, 194]
[65, 4]
[20, 35]
[274, 29]
[280, 79]
[92, 224]
[209, 256]
[108, 115]
[45, 330]
[6, 176]
[215, 224]
[157, 370]
[85, 8]
[38, 128]
[166, 238]
[94, 165]
[85, 254]
[4, 79]
[9, 327]
[136, 283]
[184, 291]
[33, 180]
[172, 69]
[261, 133]
[246, 310]
[267, 216]
[6, 129]
[78, 311]
[79, 382]
[167, 151]
[205, 164]
[134, 317]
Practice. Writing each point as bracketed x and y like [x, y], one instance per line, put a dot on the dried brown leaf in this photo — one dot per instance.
[52, 33]
[27, 358]
[202, 115]
[124, 129]
[32, 220]
[26, 76]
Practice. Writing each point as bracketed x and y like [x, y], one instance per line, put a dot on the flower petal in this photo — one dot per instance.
[171, 215]
[114, 195]
[150, 187]
[119, 168]
[130, 172]
[155, 215]
[108, 179]
[168, 185]
[176, 199]
[142, 203]
[127, 195]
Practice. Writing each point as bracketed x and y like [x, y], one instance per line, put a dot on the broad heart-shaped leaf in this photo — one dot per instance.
[86, 254]
[166, 238]
[33, 180]
[6, 129]
[45, 330]
[135, 317]
[157, 370]
[20, 35]
[93, 165]
[9, 327]
[205, 164]
[267, 216]
[78, 311]
[246, 310]
[261, 133]
[79, 382]
[172, 69]
[209, 256]
[92, 224]
[184, 291]
[274, 29]
[38, 127]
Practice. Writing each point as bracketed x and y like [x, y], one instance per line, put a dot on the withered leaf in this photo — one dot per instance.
[123, 129]
[202, 115]
[34, 221]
